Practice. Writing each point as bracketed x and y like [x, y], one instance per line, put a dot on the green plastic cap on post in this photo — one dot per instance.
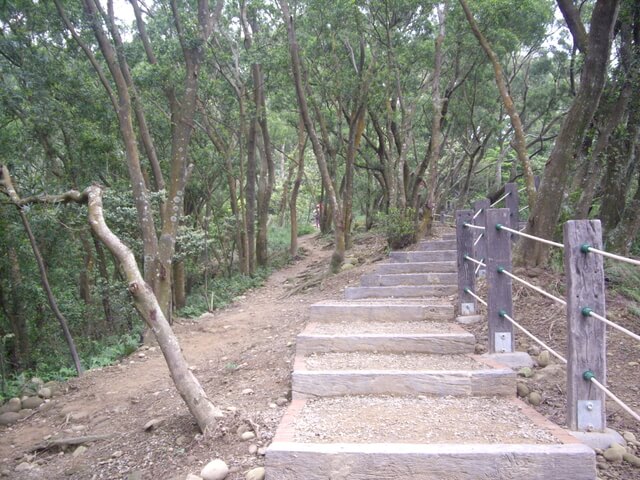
[588, 375]
[585, 247]
[502, 313]
[500, 269]
[465, 290]
[498, 226]
[586, 312]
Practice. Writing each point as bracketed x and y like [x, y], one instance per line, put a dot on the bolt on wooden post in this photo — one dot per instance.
[512, 202]
[466, 269]
[501, 338]
[586, 345]
[480, 248]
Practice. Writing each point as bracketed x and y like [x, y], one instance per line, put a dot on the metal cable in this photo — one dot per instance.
[499, 226]
[523, 209]
[475, 272]
[500, 199]
[614, 398]
[587, 312]
[478, 239]
[470, 292]
[537, 289]
[533, 337]
[475, 215]
[588, 248]
[477, 227]
[471, 259]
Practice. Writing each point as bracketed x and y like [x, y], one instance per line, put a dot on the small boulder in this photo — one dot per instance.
[23, 467]
[533, 350]
[79, 451]
[544, 359]
[247, 391]
[629, 437]
[525, 372]
[262, 451]
[346, 266]
[32, 402]
[25, 412]
[215, 470]
[535, 398]
[255, 474]
[13, 405]
[153, 424]
[281, 402]
[522, 389]
[45, 392]
[613, 455]
[247, 436]
[9, 418]
[632, 459]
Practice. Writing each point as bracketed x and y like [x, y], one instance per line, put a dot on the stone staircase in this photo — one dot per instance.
[386, 386]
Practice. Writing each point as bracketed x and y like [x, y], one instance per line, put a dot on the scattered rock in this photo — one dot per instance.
[629, 437]
[214, 470]
[281, 402]
[181, 440]
[522, 389]
[544, 359]
[25, 412]
[191, 476]
[9, 418]
[255, 474]
[247, 436]
[525, 372]
[480, 349]
[117, 454]
[535, 398]
[613, 455]
[346, 266]
[153, 424]
[247, 391]
[552, 372]
[79, 416]
[32, 402]
[533, 350]
[633, 364]
[5, 472]
[23, 467]
[13, 405]
[253, 449]
[137, 475]
[632, 459]
[262, 451]
[79, 451]
[243, 428]
[45, 392]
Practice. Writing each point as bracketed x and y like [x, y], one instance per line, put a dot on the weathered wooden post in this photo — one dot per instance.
[466, 270]
[480, 249]
[501, 339]
[586, 346]
[512, 202]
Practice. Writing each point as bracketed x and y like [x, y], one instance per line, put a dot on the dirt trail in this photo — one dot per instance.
[241, 354]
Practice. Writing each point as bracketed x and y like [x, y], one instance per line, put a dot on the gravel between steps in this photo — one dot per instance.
[390, 361]
[359, 327]
[385, 419]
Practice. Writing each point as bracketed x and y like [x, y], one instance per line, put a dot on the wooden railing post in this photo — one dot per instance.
[586, 345]
[466, 270]
[501, 338]
[480, 249]
[513, 204]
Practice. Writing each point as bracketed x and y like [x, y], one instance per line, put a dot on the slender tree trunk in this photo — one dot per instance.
[293, 203]
[104, 274]
[337, 257]
[622, 237]
[17, 316]
[520, 141]
[544, 217]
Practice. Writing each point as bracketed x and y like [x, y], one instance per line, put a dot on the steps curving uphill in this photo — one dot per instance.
[386, 386]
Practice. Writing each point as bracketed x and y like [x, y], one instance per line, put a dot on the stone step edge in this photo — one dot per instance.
[567, 460]
[495, 380]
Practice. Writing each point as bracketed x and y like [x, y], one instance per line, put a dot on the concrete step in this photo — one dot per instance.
[393, 279]
[332, 374]
[416, 267]
[399, 336]
[400, 438]
[380, 310]
[400, 291]
[422, 256]
[431, 245]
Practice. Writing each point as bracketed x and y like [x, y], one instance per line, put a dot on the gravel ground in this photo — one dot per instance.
[390, 361]
[368, 419]
[399, 328]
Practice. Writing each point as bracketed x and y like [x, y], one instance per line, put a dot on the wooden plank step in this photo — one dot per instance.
[431, 245]
[393, 279]
[400, 438]
[400, 336]
[380, 310]
[321, 375]
[422, 256]
[416, 267]
[399, 291]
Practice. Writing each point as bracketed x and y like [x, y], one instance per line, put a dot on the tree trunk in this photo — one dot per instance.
[104, 274]
[622, 237]
[520, 143]
[544, 217]
[337, 257]
[17, 316]
[293, 202]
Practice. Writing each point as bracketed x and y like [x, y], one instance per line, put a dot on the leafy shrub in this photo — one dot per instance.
[624, 279]
[305, 228]
[399, 227]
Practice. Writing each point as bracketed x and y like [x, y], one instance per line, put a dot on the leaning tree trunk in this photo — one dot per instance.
[293, 202]
[544, 217]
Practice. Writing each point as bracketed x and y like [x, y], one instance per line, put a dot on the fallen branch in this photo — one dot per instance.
[63, 443]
